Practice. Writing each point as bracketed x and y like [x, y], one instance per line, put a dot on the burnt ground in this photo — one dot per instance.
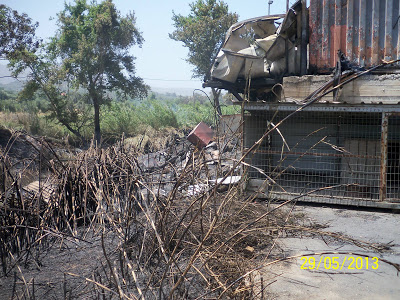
[69, 265]
[64, 270]
[79, 267]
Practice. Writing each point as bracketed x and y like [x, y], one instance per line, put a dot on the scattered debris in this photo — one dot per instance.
[40, 190]
[194, 190]
[228, 180]
[201, 135]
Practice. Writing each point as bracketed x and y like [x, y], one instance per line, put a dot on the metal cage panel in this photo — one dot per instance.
[335, 154]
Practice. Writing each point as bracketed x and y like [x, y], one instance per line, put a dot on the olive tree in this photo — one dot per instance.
[24, 52]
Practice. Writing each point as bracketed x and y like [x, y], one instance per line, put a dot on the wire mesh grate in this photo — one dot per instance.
[332, 154]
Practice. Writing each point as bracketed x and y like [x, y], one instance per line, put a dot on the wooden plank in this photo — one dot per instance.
[370, 89]
[261, 187]
[46, 189]
[297, 88]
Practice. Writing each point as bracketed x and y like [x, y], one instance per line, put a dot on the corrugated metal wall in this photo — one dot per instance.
[366, 31]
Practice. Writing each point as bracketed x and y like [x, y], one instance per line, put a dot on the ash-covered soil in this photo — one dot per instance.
[62, 271]
[121, 223]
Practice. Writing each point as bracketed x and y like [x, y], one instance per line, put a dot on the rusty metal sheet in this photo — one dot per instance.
[201, 135]
[366, 31]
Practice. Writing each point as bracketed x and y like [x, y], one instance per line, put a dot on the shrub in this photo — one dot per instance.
[157, 115]
[118, 119]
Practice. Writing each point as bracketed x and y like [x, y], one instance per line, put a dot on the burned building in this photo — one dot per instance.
[321, 86]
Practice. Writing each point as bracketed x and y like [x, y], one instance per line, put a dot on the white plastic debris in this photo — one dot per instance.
[228, 180]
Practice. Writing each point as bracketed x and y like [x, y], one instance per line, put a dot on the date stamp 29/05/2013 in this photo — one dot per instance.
[339, 263]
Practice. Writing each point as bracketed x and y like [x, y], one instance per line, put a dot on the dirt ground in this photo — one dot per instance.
[325, 283]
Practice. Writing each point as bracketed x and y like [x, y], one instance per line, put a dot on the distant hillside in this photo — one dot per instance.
[3, 73]
[176, 91]
[14, 86]
[8, 83]
[11, 84]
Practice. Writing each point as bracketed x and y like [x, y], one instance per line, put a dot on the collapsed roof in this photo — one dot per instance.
[258, 53]
[261, 49]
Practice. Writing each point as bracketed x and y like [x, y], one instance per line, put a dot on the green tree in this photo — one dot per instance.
[93, 43]
[203, 32]
[89, 52]
[24, 51]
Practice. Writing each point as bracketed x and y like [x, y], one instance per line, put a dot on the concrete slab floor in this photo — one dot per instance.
[327, 283]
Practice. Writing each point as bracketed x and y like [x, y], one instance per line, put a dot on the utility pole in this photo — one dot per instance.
[269, 6]
[287, 5]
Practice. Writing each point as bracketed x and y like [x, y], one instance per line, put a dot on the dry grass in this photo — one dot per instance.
[169, 245]
[154, 240]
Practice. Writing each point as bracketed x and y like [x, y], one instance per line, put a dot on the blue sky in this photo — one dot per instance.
[160, 61]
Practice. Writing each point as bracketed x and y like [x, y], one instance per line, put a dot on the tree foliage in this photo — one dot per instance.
[90, 53]
[203, 32]
[17, 32]
[25, 52]
[93, 43]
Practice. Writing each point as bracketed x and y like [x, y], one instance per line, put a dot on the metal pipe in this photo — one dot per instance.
[304, 39]
[384, 156]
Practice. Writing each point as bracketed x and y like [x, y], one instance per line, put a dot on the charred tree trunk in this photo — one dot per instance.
[76, 132]
[97, 131]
